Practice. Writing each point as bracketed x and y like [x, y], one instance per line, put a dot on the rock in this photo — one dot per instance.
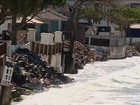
[63, 78]
[15, 94]
[33, 86]
[45, 82]
[84, 54]
[132, 51]
[78, 66]
[31, 71]
[22, 91]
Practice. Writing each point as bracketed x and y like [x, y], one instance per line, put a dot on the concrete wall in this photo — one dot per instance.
[115, 49]
[111, 52]
[134, 40]
[117, 52]
[4, 26]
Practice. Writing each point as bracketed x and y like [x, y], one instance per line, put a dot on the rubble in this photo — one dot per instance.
[83, 54]
[132, 51]
[32, 72]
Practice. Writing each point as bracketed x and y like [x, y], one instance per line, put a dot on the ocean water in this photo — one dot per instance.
[114, 82]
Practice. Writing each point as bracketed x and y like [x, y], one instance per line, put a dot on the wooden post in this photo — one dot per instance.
[46, 50]
[57, 47]
[54, 49]
[50, 52]
[5, 95]
[60, 47]
[35, 49]
[38, 48]
[33, 46]
[43, 49]
[5, 91]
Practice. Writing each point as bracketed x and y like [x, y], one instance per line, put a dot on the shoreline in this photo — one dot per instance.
[85, 61]
[24, 97]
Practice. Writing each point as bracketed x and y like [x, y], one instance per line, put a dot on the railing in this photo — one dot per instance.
[46, 49]
[51, 53]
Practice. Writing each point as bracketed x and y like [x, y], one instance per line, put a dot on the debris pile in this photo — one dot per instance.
[32, 72]
[131, 51]
[84, 54]
[137, 46]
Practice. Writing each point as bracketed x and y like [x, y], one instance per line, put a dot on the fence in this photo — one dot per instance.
[5, 89]
[6, 76]
[51, 53]
[50, 47]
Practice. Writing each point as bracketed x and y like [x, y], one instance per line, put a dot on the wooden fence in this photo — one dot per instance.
[47, 50]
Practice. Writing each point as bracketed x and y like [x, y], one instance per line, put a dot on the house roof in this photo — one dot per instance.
[31, 21]
[50, 14]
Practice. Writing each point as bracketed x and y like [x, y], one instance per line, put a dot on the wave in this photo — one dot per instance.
[114, 82]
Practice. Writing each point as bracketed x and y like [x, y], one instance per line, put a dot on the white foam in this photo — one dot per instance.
[115, 82]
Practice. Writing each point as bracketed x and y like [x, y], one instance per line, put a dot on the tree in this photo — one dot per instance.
[73, 22]
[125, 16]
[96, 11]
[12, 9]
[129, 15]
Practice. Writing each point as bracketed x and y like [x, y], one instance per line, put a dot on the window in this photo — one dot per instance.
[86, 40]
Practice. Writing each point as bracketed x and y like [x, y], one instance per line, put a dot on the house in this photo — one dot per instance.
[134, 35]
[106, 39]
[52, 21]
[46, 21]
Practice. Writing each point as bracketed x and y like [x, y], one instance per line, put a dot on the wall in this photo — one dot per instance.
[4, 26]
[114, 47]
[54, 26]
[134, 34]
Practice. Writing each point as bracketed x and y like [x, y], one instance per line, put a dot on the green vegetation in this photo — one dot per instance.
[12, 9]
[124, 15]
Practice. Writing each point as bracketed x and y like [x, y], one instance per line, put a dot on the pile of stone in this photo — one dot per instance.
[84, 54]
[32, 72]
[137, 46]
[132, 51]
